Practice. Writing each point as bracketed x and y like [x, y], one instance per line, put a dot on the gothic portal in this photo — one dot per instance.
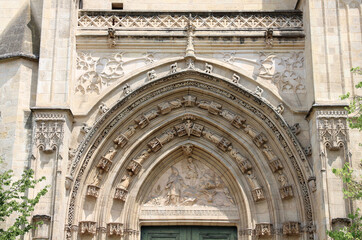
[181, 119]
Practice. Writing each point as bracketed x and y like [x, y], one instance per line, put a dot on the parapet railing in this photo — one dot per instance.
[212, 21]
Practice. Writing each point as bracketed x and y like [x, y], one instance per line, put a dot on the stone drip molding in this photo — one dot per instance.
[282, 20]
[252, 96]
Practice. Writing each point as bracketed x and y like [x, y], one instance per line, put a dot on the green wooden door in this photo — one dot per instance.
[188, 233]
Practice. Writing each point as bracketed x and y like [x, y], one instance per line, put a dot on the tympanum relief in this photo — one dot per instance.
[190, 183]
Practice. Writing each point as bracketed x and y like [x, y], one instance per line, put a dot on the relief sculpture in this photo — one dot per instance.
[190, 183]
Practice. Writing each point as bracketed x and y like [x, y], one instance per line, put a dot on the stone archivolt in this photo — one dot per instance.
[188, 128]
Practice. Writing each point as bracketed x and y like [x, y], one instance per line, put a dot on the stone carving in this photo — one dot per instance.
[106, 161]
[189, 128]
[88, 227]
[258, 138]
[122, 191]
[236, 120]
[212, 107]
[127, 89]
[166, 107]
[312, 183]
[144, 119]
[295, 129]
[220, 142]
[136, 163]
[123, 138]
[208, 68]
[68, 182]
[173, 68]
[49, 131]
[94, 74]
[269, 38]
[263, 229]
[285, 70]
[112, 37]
[258, 113]
[114, 229]
[189, 101]
[308, 151]
[235, 78]
[280, 108]
[97, 177]
[286, 192]
[85, 128]
[151, 75]
[333, 133]
[120, 194]
[103, 108]
[243, 163]
[180, 21]
[190, 63]
[258, 194]
[259, 91]
[291, 228]
[187, 149]
[190, 50]
[190, 183]
[93, 191]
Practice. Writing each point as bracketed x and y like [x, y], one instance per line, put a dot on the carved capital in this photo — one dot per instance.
[263, 229]
[120, 194]
[115, 229]
[88, 227]
[49, 131]
[291, 228]
[93, 191]
[286, 192]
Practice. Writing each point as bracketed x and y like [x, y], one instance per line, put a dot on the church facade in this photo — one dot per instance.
[181, 119]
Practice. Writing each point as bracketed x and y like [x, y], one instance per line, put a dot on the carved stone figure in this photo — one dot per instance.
[212, 107]
[142, 156]
[151, 75]
[208, 68]
[243, 163]
[276, 165]
[258, 138]
[270, 155]
[258, 194]
[126, 180]
[120, 194]
[134, 167]
[187, 149]
[167, 136]
[295, 129]
[123, 138]
[155, 144]
[104, 163]
[127, 89]
[308, 151]
[282, 179]
[236, 78]
[144, 119]
[97, 177]
[192, 173]
[312, 183]
[286, 192]
[110, 154]
[103, 108]
[173, 68]
[174, 185]
[259, 91]
[253, 181]
[236, 120]
[167, 107]
[85, 128]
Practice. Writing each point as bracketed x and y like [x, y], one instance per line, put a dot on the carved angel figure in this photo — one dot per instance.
[174, 186]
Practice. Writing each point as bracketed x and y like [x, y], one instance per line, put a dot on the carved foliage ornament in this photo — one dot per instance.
[49, 131]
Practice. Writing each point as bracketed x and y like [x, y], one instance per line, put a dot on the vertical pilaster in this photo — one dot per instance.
[52, 128]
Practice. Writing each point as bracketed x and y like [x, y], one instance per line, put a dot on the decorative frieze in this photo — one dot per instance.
[49, 131]
[88, 227]
[198, 21]
[263, 229]
[291, 228]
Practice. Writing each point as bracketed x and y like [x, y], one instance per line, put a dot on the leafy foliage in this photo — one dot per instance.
[353, 188]
[14, 200]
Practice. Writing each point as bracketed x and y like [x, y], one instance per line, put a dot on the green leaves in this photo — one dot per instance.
[14, 200]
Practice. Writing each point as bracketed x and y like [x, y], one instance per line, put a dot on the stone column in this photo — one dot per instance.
[330, 150]
[52, 129]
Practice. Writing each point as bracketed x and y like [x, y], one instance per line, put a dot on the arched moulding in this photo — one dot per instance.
[235, 98]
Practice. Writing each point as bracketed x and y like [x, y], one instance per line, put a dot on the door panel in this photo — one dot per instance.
[188, 233]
